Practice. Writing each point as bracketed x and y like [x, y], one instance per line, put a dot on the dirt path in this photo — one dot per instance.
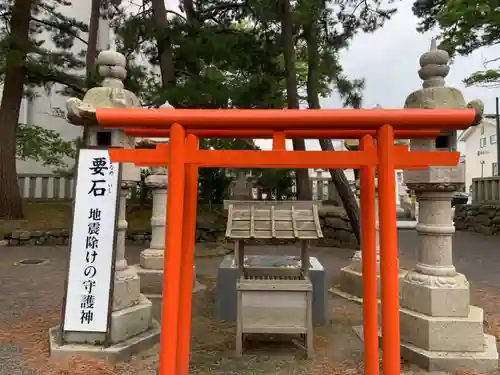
[30, 298]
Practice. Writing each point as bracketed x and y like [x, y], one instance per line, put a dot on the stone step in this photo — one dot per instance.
[484, 361]
[444, 334]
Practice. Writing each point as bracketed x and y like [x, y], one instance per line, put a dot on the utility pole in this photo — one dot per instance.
[497, 120]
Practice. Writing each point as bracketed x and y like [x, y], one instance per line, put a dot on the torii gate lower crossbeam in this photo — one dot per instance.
[183, 158]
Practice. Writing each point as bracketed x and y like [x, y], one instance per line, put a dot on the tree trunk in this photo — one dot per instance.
[304, 191]
[165, 52]
[95, 15]
[338, 176]
[11, 206]
[91, 56]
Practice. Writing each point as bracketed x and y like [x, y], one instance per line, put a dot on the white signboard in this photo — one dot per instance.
[92, 241]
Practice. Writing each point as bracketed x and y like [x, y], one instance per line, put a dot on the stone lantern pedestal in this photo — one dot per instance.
[150, 268]
[351, 276]
[440, 330]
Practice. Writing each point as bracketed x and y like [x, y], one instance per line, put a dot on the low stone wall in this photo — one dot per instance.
[334, 222]
[479, 218]
[61, 237]
[336, 228]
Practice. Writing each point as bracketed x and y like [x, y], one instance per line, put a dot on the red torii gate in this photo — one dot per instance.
[183, 158]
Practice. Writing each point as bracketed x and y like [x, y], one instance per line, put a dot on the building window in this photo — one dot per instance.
[493, 139]
[482, 130]
[494, 167]
[482, 142]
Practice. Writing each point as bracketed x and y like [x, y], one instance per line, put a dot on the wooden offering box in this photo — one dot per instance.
[274, 298]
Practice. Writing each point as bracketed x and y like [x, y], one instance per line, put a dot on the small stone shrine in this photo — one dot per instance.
[440, 329]
[274, 296]
[132, 325]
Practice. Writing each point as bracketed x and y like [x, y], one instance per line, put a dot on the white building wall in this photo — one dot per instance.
[479, 160]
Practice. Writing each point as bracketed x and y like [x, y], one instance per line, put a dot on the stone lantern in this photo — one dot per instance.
[351, 279]
[150, 268]
[132, 324]
[439, 327]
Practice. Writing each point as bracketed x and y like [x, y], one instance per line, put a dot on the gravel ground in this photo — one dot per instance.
[30, 298]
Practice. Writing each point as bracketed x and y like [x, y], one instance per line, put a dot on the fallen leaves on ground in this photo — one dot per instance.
[31, 336]
[488, 298]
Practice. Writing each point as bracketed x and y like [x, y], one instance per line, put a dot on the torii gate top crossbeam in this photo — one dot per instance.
[290, 134]
[362, 119]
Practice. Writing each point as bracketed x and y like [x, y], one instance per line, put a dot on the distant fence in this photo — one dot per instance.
[53, 187]
[323, 189]
[486, 190]
[45, 187]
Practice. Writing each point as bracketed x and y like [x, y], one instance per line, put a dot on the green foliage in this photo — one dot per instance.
[230, 58]
[276, 183]
[49, 61]
[214, 185]
[466, 25]
[43, 145]
[214, 182]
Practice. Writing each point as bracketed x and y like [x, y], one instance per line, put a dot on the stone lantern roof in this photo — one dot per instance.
[111, 93]
[434, 67]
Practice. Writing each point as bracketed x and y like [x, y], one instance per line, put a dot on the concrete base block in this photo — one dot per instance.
[152, 279]
[483, 361]
[127, 291]
[443, 334]
[436, 300]
[125, 323]
[117, 352]
[351, 281]
[132, 321]
[152, 259]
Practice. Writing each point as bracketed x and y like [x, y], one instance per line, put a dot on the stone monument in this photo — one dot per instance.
[132, 324]
[239, 188]
[440, 330]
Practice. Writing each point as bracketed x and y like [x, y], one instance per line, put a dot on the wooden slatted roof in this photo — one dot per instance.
[268, 219]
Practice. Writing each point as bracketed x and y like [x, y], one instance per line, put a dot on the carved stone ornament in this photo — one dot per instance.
[111, 94]
[448, 282]
[157, 181]
[444, 187]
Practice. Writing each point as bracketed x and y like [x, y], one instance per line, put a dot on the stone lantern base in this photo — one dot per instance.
[351, 281]
[117, 352]
[152, 278]
[440, 330]
[132, 326]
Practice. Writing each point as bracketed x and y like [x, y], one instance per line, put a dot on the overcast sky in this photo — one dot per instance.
[388, 60]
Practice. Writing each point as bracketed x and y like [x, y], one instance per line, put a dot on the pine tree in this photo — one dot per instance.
[31, 62]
